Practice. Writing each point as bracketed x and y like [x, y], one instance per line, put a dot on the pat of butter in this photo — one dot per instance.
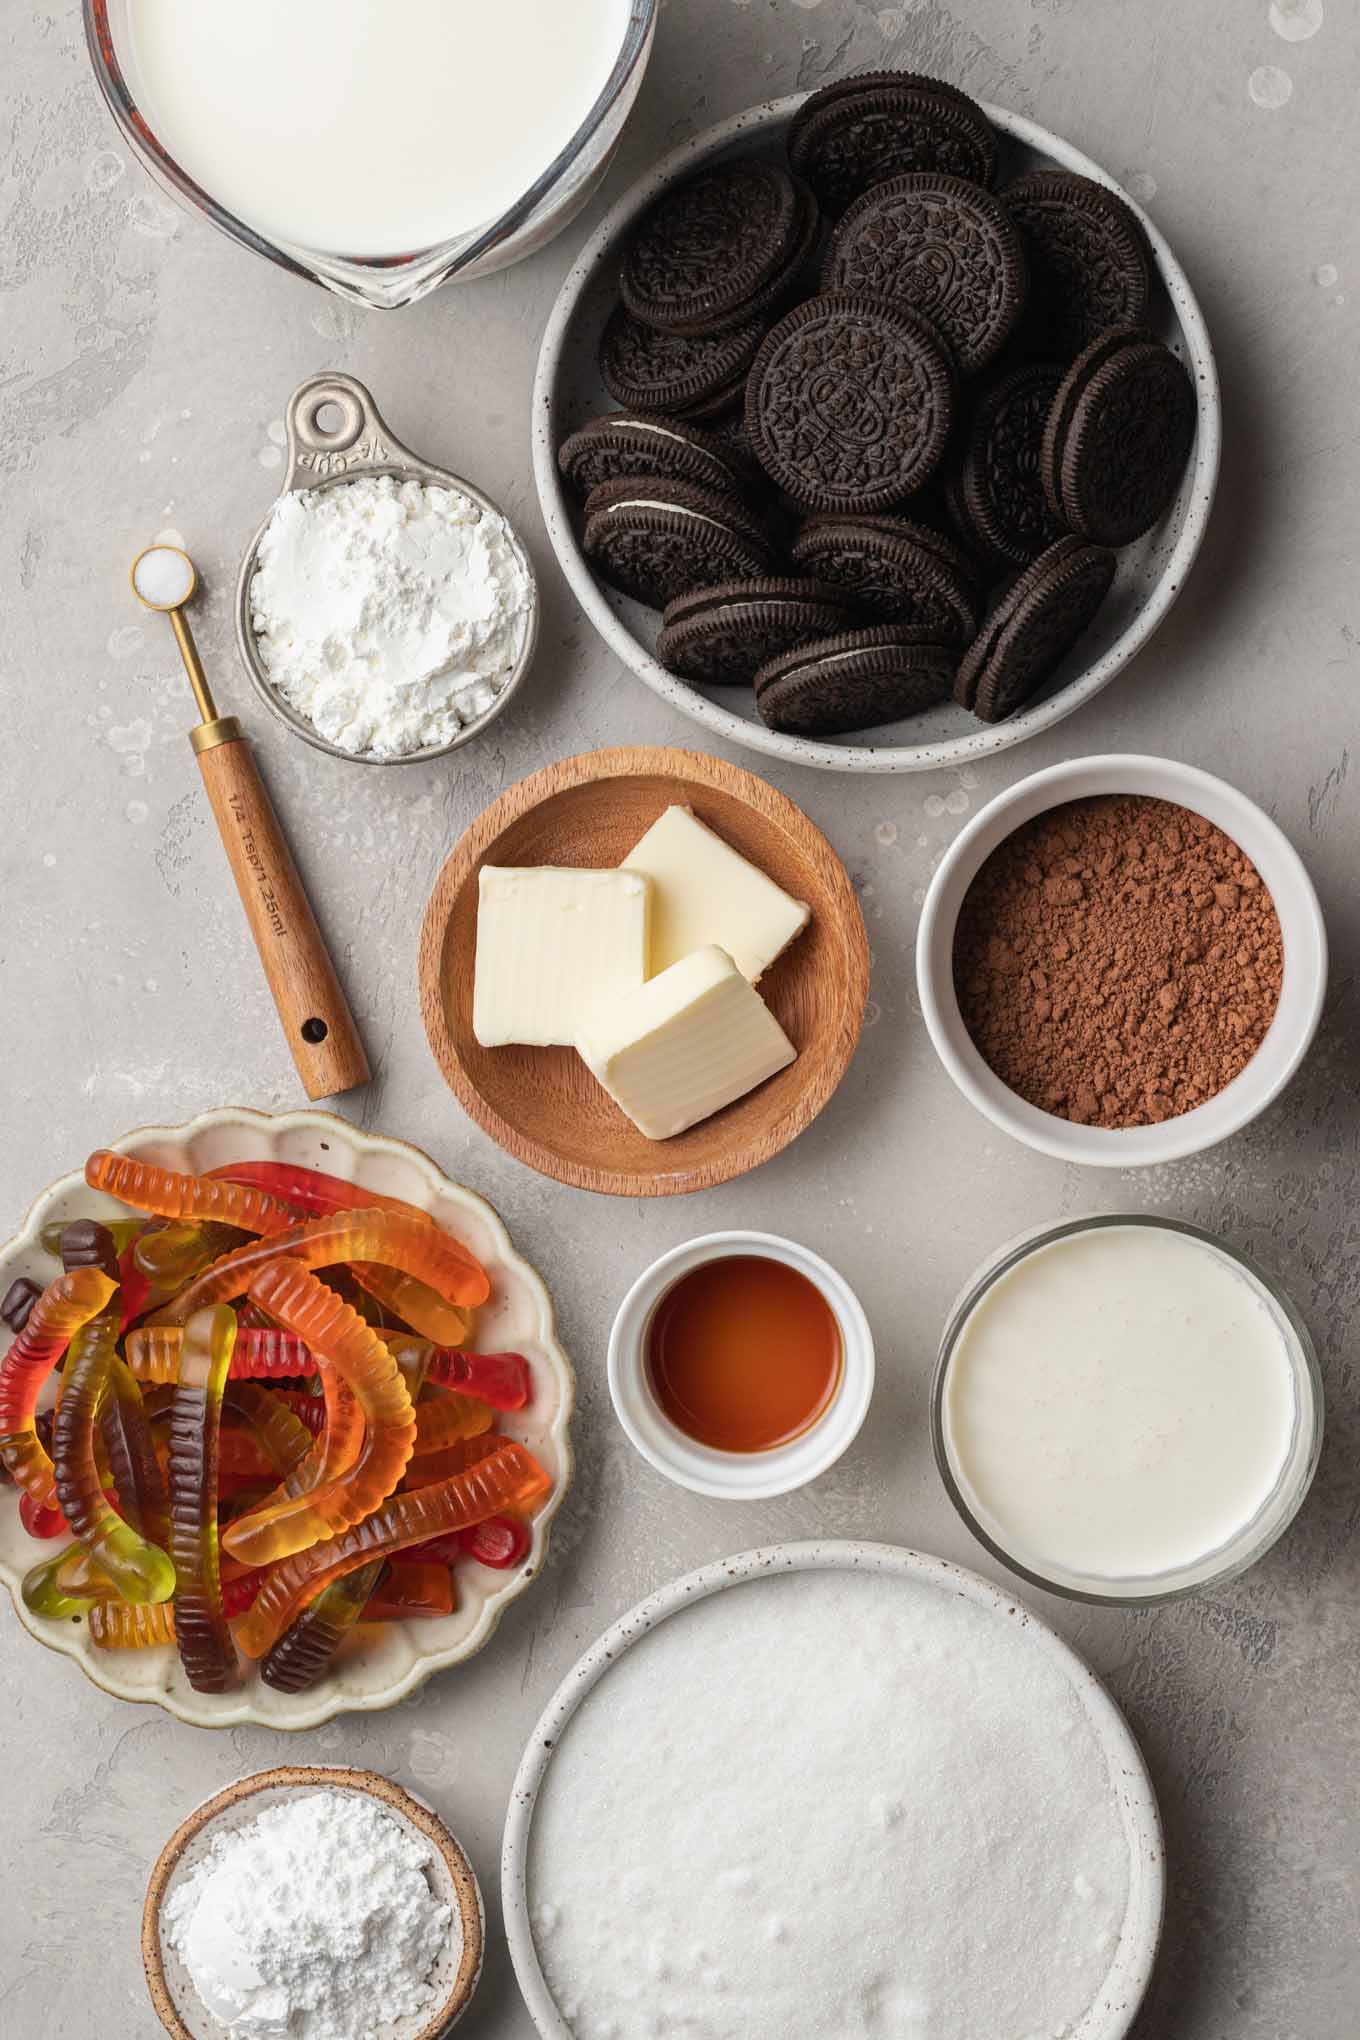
[688, 1042]
[707, 892]
[550, 942]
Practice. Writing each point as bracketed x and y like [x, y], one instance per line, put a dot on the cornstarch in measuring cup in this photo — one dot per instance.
[389, 613]
[317, 1920]
[830, 1804]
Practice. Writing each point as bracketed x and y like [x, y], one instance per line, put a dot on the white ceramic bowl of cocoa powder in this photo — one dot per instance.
[1302, 984]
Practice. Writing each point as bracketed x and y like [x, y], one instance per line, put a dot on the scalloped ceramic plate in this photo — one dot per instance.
[380, 1665]
[568, 390]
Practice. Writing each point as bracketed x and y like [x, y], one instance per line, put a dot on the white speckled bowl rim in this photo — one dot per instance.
[175, 2000]
[1113, 2013]
[1151, 573]
[378, 1667]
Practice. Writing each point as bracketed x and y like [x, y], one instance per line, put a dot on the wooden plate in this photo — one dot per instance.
[542, 1104]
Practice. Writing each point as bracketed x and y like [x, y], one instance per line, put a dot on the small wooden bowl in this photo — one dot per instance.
[172, 1994]
[542, 1104]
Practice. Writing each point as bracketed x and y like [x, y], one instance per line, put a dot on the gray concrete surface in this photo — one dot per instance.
[143, 368]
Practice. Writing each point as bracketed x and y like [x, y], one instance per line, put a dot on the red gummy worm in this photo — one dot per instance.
[501, 1379]
[410, 1588]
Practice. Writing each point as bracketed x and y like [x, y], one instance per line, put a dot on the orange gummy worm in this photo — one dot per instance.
[505, 1479]
[447, 1420]
[338, 1336]
[170, 1194]
[118, 1625]
[413, 1245]
[64, 1306]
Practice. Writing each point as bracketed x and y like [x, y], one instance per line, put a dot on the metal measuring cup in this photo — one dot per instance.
[320, 458]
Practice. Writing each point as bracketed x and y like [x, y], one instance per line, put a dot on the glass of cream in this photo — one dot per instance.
[1125, 1409]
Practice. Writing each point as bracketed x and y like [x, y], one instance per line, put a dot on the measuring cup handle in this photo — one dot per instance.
[355, 441]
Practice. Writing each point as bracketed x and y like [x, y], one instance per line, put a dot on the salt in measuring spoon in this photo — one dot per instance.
[317, 1022]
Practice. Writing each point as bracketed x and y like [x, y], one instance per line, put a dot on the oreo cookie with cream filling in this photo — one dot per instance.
[644, 443]
[895, 570]
[691, 376]
[719, 636]
[1032, 627]
[1118, 437]
[857, 680]
[714, 251]
[1089, 264]
[859, 132]
[655, 539]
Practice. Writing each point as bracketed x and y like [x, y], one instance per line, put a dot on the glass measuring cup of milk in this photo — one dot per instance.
[379, 147]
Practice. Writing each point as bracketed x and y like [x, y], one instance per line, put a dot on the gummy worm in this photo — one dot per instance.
[170, 1194]
[361, 1360]
[261, 1353]
[201, 1630]
[64, 1306]
[507, 1478]
[139, 1570]
[411, 1589]
[116, 1626]
[448, 1421]
[320, 1195]
[133, 1466]
[305, 1649]
[413, 1245]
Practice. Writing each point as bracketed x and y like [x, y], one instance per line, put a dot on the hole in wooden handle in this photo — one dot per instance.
[314, 1030]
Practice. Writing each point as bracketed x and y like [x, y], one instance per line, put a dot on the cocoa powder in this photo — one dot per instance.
[1117, 961]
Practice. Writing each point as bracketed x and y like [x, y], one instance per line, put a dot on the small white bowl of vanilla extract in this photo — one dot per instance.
[741, 1365]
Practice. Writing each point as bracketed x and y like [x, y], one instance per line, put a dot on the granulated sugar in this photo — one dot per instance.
[315, 1921]
[830, 1806]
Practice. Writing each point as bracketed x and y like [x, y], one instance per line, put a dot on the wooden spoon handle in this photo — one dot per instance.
[317, 1023]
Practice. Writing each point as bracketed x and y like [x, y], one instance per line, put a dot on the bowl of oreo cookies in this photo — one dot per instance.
[876, 429]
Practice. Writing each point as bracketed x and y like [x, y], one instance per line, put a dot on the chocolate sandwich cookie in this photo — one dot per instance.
[861, 131]
[997, 495]
[895, 570]
[715, 251]
[1089, 266]
[721, 635]
[1118, 437]
[1033, 627]
[690, 376]
[849, 402]
[854, 681]
[643, 443]
[654, 539]
[944, 246]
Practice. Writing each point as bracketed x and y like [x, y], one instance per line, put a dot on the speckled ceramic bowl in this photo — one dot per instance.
[1110, 2017]
[456, 1974]
[1151, 573]
[380, 1664]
